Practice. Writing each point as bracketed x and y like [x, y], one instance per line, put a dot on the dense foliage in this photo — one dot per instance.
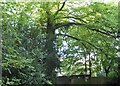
[93, 48]
[22, 46]
[42, 39]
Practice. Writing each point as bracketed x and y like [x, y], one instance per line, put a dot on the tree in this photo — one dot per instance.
[34, 35]
[96, 36]
[21, 51]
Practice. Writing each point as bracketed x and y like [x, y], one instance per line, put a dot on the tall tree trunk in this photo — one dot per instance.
[51, 60]
[85, 64]
[90, 64]
[119, 39]
[0, 54]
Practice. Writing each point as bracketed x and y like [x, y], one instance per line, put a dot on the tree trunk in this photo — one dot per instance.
[51, 60]
[85, 64]
[90, 64]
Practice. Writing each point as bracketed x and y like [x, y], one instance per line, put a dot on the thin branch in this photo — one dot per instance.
[60, 8]
[108, 33]
[75, 18]
[59, 25]
[84, 41]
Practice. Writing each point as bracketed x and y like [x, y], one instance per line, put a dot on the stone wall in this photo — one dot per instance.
[81, 80]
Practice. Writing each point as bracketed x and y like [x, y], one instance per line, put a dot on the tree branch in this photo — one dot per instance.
[59, 25]
[60, 8]
[108, 33]
[84, 41]
[75, 18]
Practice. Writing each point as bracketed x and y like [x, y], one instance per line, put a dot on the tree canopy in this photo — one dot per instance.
[43, 39]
